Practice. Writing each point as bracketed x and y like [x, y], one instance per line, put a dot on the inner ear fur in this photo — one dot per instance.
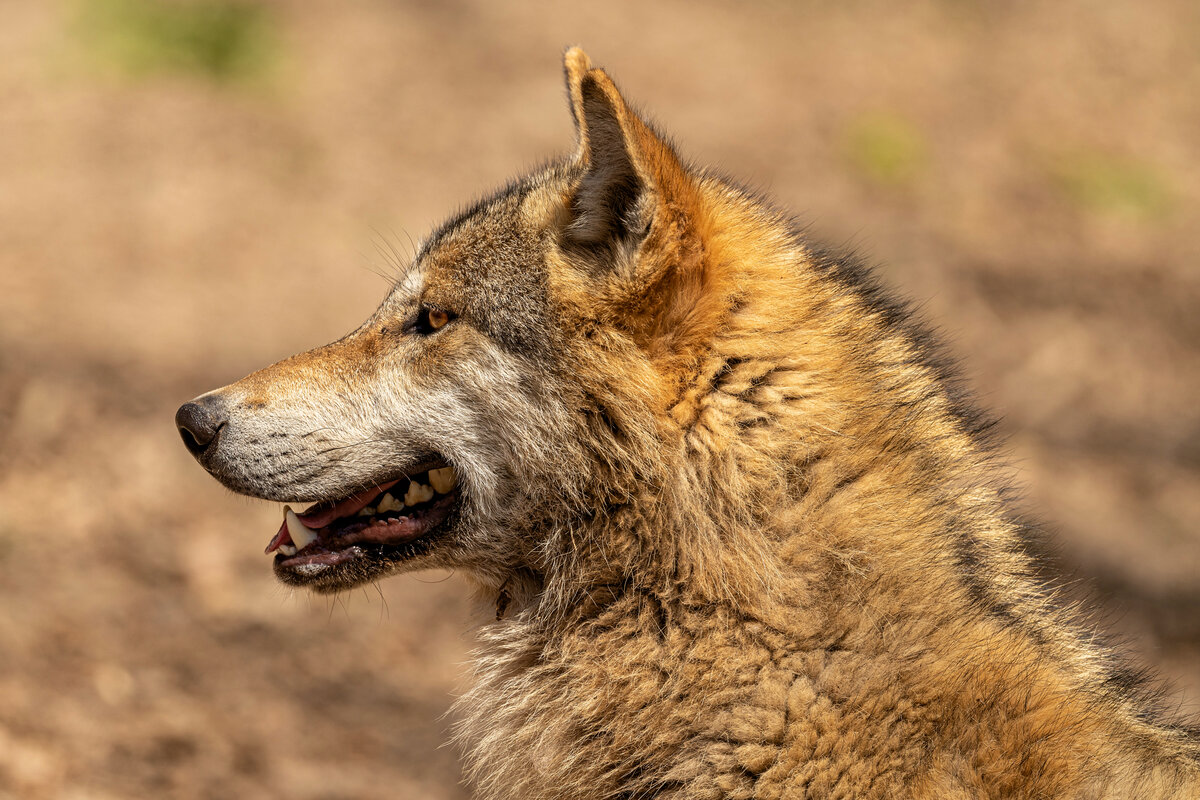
[624, 162]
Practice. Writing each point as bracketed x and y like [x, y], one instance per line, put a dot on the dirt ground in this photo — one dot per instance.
[191, 192]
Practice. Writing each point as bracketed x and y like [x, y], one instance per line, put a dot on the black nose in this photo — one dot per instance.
[199, 421]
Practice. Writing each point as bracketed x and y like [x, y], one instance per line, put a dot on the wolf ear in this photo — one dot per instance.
[624, 161]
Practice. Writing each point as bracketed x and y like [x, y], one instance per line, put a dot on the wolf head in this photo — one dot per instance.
[522, 379]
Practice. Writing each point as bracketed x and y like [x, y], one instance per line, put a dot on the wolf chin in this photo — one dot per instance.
[736, 532]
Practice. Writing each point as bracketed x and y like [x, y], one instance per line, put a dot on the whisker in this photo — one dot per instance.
[345, 446]
[388, 254]
[317, 430]
[385, 610]
[403, 264]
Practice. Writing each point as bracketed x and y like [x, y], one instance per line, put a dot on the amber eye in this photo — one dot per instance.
[431, 319]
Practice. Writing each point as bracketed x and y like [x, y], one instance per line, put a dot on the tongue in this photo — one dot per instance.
[280, 539]
[319, 518]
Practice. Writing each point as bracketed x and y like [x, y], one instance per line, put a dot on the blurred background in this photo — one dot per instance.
[192, 189]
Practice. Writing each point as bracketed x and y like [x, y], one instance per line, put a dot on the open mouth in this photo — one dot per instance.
[392, 519]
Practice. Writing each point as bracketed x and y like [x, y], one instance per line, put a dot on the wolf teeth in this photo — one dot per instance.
[417, 493]
[368, 511]
[388, 503]
[287, 549]
[443, 480]
[301, 534]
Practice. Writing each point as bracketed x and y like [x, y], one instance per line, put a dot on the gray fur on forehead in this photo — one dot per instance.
[490, 270]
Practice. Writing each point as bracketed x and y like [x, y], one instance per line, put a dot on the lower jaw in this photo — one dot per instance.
[358, 561]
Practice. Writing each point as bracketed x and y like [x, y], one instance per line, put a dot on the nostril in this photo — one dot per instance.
[198, 423]
[190, 441]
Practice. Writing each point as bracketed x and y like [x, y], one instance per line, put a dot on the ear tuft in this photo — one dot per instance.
[576, 64]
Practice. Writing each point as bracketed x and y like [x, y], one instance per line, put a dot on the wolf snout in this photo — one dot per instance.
[199, 421]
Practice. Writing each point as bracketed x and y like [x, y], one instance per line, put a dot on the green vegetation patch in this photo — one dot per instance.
[221, 40]
[1110, 183]
[886, 148]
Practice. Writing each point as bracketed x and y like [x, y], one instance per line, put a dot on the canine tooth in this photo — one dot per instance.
[389, 503]
[368, 511]
[417, 493]
[301, 535]
[443, 480]
[287, 549]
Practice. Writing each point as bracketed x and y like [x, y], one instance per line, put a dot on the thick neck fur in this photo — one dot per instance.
[804, 579]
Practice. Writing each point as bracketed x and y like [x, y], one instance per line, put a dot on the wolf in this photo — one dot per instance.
[735, 528]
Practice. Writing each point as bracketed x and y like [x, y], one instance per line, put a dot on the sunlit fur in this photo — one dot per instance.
[735, 529]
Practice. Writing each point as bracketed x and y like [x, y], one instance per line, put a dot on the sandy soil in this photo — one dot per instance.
[1029, 173]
